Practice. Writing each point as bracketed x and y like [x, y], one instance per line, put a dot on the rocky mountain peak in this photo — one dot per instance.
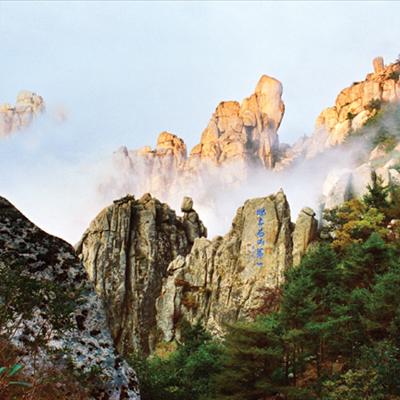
[20, 115]
[126, 250]
[355, 104]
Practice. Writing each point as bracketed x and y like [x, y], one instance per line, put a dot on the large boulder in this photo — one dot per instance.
[82, 334]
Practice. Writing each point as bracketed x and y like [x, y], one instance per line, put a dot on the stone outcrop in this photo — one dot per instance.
[238, 137]
[222, 280]
[21, 115]
[84, 336]
[304, 233]
[354, 105]
[247, 131]
[154, 269]
[126, 251]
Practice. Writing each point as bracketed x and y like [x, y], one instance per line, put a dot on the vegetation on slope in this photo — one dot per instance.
[335, 334]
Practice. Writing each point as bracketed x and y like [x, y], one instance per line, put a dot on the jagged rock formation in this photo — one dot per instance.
[246, 131]
[13, 118]
[355, 105]
[86, 338]
[238, 137]
[222, 280]
[126, 251]
[136, 251]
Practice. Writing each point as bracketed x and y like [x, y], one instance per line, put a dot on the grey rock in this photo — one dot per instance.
[187, 204]
[87, 339]
[126, 251]
[222, 280]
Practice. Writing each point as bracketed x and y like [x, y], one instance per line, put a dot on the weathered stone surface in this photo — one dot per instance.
[155, 270]
[13, 118]
[304, 233]
[222, 280]
[126, 251]
[88, 342]
[354, 106]
[237, 138]
[379, 66]
[187, 204]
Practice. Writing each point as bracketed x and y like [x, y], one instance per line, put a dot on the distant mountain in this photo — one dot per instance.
[19, 116]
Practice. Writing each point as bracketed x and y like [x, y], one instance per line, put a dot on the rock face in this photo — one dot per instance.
[246, 131]
[222, 280]
[13, 118]
[153, 271]
[126, 251]
[304, 233]
[88, 342]
[355, 105]
[237, 138]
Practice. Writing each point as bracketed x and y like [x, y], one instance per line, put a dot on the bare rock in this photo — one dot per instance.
[305, 232]
[14, 118]
[84, 337]
[353, 107]
[222, 280]
[187, 204]
[126, 251]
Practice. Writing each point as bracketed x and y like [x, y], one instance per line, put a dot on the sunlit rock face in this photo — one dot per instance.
[354, 105]
[86, 337]
[246, 131]
[20, 115]
[155, 270]
[126, 251]
[238, 137]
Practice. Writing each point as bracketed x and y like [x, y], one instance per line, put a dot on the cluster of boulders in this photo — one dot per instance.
[20, 115]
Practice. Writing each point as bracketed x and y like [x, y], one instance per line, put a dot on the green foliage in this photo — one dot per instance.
[382, 128]
[187, 373]
[377, 196]
[384, 138]
[253, 364]
[354, 385]
[7, 378]
[374, 104]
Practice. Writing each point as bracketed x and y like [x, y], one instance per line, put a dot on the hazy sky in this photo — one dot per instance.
[125, 71]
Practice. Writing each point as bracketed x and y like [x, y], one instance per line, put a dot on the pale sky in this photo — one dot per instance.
[125, 71]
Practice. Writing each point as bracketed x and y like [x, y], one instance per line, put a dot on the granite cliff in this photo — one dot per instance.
[238, 138]
[126, 251]
[154, 269]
